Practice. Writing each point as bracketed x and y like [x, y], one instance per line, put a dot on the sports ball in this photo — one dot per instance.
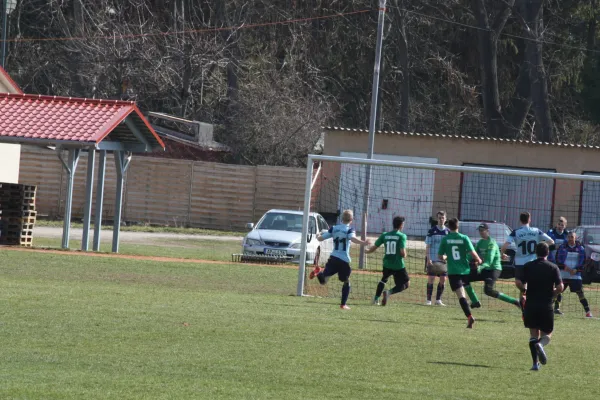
[438, 267]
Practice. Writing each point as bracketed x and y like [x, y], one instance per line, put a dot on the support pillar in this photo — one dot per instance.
[122, 164]
[99, 199]
[87, 208]
[70, 165]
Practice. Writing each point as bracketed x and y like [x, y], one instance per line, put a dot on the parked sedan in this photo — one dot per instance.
[279, 233]
[589, 237]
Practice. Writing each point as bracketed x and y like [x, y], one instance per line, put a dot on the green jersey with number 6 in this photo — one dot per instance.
[456, 247]
[393, 241]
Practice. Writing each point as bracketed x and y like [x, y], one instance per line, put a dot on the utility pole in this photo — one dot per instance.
[4, 31]
[372, 122]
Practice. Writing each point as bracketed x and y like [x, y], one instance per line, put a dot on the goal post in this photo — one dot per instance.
[417, 190]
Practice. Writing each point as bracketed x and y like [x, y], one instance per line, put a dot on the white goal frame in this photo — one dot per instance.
[405, 164]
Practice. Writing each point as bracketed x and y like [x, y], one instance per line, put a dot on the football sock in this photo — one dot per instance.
[585, 305]
[472, 295]
[440, 290]
[380, 287]
[507, 299]
[398, 289]
[321, 278]
[429, 291]
[464, 304]
[532, 349]
[545, 340]
[345, 292]
[557, 302]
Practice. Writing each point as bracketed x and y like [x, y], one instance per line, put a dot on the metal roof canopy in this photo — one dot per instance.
[76, 125]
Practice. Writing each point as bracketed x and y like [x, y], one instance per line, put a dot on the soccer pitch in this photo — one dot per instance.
[76, 327]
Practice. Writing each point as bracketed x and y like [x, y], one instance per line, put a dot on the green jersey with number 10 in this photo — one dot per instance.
[456, 247]
[393, 241]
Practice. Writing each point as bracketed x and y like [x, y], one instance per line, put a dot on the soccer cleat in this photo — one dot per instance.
[476, 305]
[470, 322]
[439, 303]
[385, 297]
[589, 314]
[428, 303]
[314, 272]
[536, 367]
[375, 301]
[541, 353]
[557, 311]
[344, 307]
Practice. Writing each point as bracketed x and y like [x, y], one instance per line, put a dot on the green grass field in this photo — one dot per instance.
[77, 327]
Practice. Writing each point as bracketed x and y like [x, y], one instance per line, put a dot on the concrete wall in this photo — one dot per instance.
[459, 151]
[10, 155]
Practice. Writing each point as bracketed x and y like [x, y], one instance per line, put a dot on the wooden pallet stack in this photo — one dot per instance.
[17, 214]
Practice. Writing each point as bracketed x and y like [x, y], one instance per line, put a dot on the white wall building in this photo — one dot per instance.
[10, 154]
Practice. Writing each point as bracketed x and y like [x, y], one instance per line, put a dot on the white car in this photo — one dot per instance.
[279, 234]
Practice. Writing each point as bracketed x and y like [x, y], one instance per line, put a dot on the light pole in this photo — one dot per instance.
[7, 7]
[372, 122]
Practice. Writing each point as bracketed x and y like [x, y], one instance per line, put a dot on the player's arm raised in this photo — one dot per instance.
[324, 236]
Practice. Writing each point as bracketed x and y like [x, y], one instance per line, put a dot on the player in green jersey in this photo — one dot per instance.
[489, 271]
[394, 243]
[457, 247]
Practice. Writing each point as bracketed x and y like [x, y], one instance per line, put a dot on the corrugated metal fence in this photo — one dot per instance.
[170, 192]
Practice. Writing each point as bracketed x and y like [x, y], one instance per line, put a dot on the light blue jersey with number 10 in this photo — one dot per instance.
[341, 235]
[526, 239]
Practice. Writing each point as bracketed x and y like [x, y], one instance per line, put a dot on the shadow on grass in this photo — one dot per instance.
[459, 364]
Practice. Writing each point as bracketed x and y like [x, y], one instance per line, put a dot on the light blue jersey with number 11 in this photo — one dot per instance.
[526, 239]
[341, 235]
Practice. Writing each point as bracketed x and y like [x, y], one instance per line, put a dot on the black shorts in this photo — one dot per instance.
[430, 274]
[536, 316]
[458, 281]
[486, 275]
[519, 271]
[575, 285]
[400, 276]
[337, 266]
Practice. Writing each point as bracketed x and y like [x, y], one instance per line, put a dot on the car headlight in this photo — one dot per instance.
[253, 242]
[295, 245]
[595, 256]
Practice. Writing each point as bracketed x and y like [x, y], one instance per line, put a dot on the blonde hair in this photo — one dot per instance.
[347, 216]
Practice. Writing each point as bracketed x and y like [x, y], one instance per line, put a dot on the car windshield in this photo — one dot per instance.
[497, 231]
[590, 235]
[278, 221]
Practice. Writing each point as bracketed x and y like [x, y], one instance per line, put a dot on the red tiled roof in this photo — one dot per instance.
[53, 118]
[9, 80]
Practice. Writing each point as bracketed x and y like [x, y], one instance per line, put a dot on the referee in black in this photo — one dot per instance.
[543, 284]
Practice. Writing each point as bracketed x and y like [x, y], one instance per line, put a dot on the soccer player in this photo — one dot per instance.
[393, 261]
[339, 261]
[526, 239]
[559, 235]
[543, 282]
[432, 244]
[489, 271]
[455, 248]
[570, 258]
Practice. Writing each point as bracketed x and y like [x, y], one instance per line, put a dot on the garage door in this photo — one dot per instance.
[502, 198]
[406, 192]
[590, 209]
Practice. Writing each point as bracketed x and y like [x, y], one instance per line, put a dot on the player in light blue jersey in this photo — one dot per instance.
[339, 261]
[432, 244]
[526, 240]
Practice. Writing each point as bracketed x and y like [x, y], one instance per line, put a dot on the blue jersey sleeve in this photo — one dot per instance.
[328, 234]
[511, 237]
[351, 234]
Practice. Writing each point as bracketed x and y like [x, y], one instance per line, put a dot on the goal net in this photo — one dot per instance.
[472, 193]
